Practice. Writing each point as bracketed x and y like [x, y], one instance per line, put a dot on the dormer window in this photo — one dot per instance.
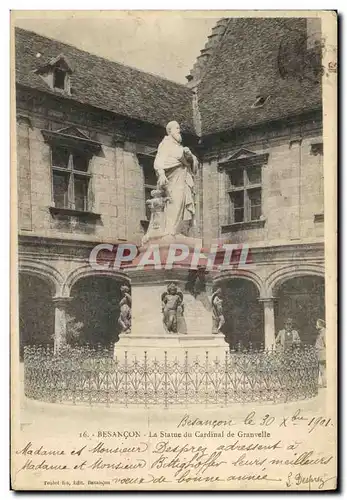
[59, 79]
[56, 73]
[260, 101]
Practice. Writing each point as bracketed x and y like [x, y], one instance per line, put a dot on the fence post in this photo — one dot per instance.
[135, 379]
[126, 377]
[186, 376]
[226, 379]
[206, 378]
[165, 379]
[145, 376]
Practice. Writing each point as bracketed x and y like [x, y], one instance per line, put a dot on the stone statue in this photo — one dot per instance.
[175, 166]
[217, 311]
[157, 222]
[156, 204]
[172, 306]
[124, 319]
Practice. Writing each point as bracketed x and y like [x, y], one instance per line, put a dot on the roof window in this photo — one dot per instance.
[59, 77]
[260, 101]
[56, 73]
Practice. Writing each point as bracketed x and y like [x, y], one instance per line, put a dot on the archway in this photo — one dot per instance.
[94, 310]
[244, 316]
[303, 299]
[36, 311]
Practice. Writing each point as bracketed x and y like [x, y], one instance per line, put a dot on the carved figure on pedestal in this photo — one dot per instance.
[156, 205]
[124, 319]
[172, 307]
[217, 311]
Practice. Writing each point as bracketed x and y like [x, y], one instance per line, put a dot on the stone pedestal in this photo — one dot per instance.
[148, 333]
[176, 346]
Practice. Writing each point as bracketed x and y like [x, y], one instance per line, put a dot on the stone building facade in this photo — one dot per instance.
[87, 132]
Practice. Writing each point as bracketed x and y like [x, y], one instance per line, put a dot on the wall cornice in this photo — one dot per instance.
[70, 112]
[304, 125]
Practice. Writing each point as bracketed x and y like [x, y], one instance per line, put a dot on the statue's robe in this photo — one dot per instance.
[180, 188]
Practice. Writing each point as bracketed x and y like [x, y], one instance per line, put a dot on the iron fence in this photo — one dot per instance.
[92, 376]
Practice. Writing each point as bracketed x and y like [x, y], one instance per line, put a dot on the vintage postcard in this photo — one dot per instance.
[174, 322]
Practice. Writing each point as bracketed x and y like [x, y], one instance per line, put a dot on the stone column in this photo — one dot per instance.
[60, 305]
[24, 173]
[269, 321]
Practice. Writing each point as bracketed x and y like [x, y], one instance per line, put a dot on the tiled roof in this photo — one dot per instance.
[263, 57]
[105, 84]
[212, 44]
[253, 61]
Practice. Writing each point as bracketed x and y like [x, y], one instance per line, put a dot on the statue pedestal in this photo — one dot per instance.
[174, 345]
[188, 313]
[148, 333]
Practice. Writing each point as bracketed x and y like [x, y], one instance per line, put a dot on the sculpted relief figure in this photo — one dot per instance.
[175, 166]
[124, 319]
[172, 307]
[217, 311]
[157, 205]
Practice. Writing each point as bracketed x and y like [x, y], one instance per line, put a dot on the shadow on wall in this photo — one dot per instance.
[36, 312]
[303, 300]
[243, 314]
[95, 304]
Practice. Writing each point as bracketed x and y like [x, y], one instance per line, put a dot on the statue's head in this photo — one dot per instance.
[218, 292]
[125, 289]
[173, 129]
[172, 288]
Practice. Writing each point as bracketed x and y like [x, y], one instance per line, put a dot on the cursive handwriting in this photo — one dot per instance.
[30, 465]
[300, 479]
[237, 445]
[101, 448]
[167, 447]
[305, 458]
[138, 463]
[297, 418]
[200, 462]
[41, 451]
[262, 450]
[188, 421]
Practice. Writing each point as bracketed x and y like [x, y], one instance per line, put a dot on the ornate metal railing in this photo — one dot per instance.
[92, 376]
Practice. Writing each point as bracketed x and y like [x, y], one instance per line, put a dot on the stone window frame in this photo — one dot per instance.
[72, 176]
[73, 142]
[244, 160]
